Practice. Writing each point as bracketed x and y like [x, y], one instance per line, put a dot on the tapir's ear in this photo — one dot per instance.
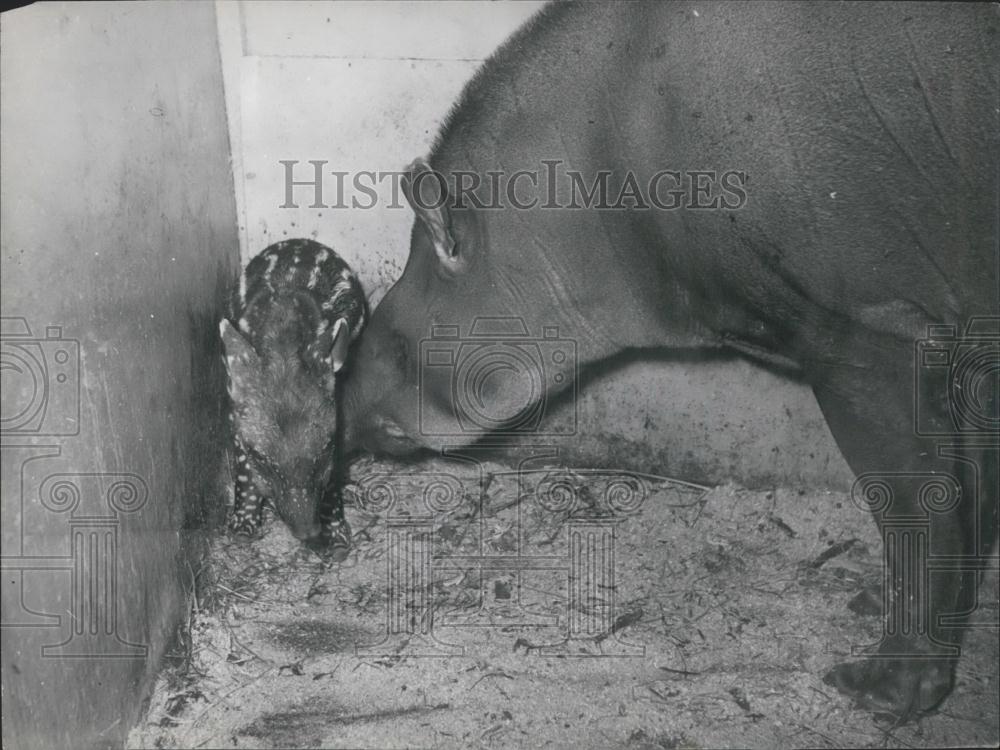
[242, 362]
[341, 343]
[329, 351]
[427, 193]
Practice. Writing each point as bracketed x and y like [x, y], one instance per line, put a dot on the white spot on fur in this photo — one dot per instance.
[243, 477]
[313, 277]
[321, 256]
[342, 287]
[272, 261]
[244, 325]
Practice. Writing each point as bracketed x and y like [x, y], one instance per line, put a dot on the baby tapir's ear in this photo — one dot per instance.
[330, 349]
[242, 362]
[341, 343]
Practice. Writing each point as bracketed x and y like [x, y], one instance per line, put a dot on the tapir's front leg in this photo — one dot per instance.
[929, 496]
[248, 499]
[335, 540]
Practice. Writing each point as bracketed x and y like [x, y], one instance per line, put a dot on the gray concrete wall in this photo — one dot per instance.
[118, 239]
[365, 87]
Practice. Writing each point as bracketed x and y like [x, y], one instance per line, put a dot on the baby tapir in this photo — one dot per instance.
[298, 308]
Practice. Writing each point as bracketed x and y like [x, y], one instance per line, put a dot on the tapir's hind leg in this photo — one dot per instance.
[931, 498]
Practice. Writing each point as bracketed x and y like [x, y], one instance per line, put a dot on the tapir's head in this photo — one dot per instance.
[455, 349]
[284, 411]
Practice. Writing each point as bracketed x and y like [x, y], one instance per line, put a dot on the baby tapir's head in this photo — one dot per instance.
[282, 376]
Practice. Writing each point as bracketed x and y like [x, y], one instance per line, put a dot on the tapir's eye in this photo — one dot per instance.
[449, 271]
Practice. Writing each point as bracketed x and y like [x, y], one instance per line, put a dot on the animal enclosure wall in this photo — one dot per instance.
[359, 87]
[118, 241]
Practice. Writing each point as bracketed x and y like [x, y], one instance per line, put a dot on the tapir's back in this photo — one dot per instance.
[293, 283]
[869, 134]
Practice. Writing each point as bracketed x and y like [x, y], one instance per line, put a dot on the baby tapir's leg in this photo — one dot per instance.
[336, 537]
[248, 501]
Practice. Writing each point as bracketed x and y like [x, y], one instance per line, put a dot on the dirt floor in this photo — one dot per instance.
[589, 609]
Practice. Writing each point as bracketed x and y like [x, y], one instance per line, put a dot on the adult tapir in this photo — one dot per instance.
[860, 207]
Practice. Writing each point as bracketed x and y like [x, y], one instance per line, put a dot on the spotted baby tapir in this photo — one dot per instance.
[298, 308]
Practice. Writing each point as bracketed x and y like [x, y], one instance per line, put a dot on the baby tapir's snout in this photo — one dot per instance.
[300, 514]
[299, 307]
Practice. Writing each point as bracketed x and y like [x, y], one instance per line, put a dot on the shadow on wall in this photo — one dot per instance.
[715, 417]
[118, 243]
[706, 416]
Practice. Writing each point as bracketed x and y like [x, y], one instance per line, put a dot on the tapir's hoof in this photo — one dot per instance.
[244, 532]
[902, 688]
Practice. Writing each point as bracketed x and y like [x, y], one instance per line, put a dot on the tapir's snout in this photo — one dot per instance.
[307, 532]
[370, 431]
[354, 416]
[386, 436]
[378, 409]
[298, 510]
